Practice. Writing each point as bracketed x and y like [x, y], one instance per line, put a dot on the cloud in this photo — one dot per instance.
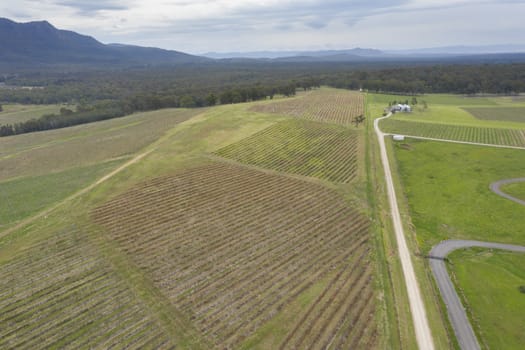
[316, 24]
[234, 25]
[86, 7]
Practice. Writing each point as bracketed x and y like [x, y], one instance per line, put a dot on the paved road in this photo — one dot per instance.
[456, 313]
[495, 187]
[417, 307]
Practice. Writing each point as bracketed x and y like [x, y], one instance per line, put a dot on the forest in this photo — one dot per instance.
[102, 94]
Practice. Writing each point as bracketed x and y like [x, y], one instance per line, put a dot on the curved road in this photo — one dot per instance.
[456, 313]
[417, 307]
[495, 187]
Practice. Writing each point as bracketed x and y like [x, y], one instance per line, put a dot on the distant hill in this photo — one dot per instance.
[41, 43]
[462, 50]
[356, 52]
[504, 53]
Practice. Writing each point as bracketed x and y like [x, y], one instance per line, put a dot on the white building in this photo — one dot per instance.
[401, 107]
[399, 138]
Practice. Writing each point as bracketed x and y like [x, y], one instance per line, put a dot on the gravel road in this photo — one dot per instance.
[417, 307]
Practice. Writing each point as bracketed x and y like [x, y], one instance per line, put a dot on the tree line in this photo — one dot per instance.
[102, 110]
[459, 79]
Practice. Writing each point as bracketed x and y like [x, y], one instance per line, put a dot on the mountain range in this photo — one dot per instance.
[42, 43]
[39, 44]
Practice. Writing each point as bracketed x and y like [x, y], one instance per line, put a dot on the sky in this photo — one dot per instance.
[201, 26]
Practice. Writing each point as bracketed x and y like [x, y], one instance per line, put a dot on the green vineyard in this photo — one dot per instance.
[330, 106]
[301, 147]
[60, 293]
[231, 247]
[503, 137]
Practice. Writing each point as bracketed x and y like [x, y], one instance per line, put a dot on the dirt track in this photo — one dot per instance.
[75, 195]
[417, 307]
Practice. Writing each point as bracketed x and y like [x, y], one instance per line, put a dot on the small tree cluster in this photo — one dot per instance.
[358, 120]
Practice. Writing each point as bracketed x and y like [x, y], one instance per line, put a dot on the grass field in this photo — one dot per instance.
[512, 114]
[324, 105]
[24, 197]
[516, 189]
[16, 113]
[454, 110]
[303, 148]
[447, 188]
[489, 281]
[504, 137]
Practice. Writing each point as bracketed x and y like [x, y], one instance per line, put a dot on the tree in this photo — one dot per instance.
[211, 99]
[65, 111]
[425, 106]
[414, 100]
[358, 120]
[1, 109]
[187, 101]
[6, 130]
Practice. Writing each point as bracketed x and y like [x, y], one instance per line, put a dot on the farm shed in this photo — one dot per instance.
[401, 107]
[399, 137]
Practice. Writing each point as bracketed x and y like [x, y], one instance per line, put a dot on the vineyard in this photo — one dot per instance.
[55, 150]
[330, 106]
[504, 137]
[59, 293]
[511, 114]
[301, 147]
[231, 247]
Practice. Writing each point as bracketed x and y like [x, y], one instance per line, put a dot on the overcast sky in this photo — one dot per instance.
[198, 26]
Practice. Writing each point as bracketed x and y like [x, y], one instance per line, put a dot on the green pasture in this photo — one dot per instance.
[447, 189]
[455, 109]
[511, 114]
[516, 189]
[24, 197]
[16, 113]
[489, 283]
